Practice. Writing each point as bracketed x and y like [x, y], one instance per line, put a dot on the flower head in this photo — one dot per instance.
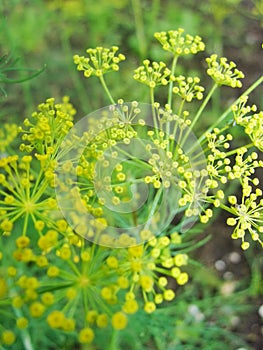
[47, 127]
[152, 74]
[174, 41]
[223, 72]
[252, 122]
[188, 88]
[247, 216]
[100, 61]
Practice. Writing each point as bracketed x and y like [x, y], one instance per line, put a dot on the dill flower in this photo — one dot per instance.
[252, 122]
[152, 74]
[188, 88]
[224, 72]
[100, 61]
[247, 216]
[21, 200]
[47, 127]
[175, 42]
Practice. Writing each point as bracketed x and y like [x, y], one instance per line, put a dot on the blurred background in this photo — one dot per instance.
[226, 290]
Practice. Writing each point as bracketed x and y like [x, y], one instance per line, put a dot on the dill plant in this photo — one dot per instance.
[86, 208]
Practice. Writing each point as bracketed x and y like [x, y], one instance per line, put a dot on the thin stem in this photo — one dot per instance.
[229, 210]
[154, 206]
[170, 91]
[230, 153]
[203, 105]
[139, 27]
[153, 108]
[25, 336]
[103, 83]
[113, 342]
[199, 112]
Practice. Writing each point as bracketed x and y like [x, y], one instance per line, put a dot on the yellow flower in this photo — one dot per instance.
[17, 302]
[180, 259]
[65, 253]
[22, 323]
[6, 225]
[69, 325]
[53, 271]
[112, 262]
[86, 335]
[102, 320]
[149, 307]
[8, 337]
[182, 278]
[92, 316]
[119, 321]
[123, 282]
[130, 306]
[48, 298]
[55, 319]
[36, 309]
[146, 283]
[169, 295]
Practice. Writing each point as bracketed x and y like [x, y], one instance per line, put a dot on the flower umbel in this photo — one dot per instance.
[152, 74]
[248, 216]
[175, 42]
[100, 61]
[224, 72]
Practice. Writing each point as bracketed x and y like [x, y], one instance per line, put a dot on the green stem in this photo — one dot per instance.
[113, 342]
[139, 27]
[153, 108]
[103, 83]
[229, 210]
[203, 105]
[230, 153]
[199, 112]
[170, 92]
[25, 336]
[154, 205]
[25, 226]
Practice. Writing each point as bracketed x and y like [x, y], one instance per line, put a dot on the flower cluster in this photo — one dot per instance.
[247, 216]
[152, 74]
[47, 127]
[252, 123]
[223, 72]
[175, 42]
[20, 200]
[188, 89]
[81, 288]
[100, 61]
